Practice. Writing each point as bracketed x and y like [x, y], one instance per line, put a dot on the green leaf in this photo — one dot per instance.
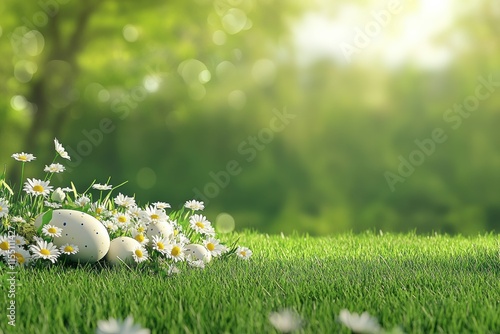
[4, 184]
[46, 218]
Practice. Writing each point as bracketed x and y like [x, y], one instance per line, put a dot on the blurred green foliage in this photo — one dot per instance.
[166, 94]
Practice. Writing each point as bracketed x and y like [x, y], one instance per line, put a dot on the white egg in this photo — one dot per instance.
[121, 249]
[82, 230]
[160, 228]
[198, 252]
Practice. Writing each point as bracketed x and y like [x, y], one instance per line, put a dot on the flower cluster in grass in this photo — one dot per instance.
[121, 216]
[288, 321]
[284, 321]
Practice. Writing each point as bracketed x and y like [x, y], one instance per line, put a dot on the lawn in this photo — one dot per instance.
[423, 284]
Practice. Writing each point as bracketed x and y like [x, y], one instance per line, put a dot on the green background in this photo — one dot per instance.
[166, 94]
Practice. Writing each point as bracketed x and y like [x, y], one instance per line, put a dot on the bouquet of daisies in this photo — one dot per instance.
[22, 243]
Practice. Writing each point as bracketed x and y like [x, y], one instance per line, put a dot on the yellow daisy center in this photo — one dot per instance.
[68, 249]
[18, 242]
[175, 251]
[45, 252]
[176, 232]
[200, 225]
[122, 219]
[20, 258]
[38, 188]
[160, 245]
[243, 253]
[52, 230]
[23, 157]
[4, 245]
[98, 211]
[210, 246]
[140, 229]
[139, 237]
[154, 216]
[138, 253]
[1, 209]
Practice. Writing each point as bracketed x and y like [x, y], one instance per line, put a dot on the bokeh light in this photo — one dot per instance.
[18, 102]
[130, 33]
[224, 223]
[146, 178]
[237, 99]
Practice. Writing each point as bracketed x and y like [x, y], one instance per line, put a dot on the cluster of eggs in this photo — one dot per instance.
[93, 241]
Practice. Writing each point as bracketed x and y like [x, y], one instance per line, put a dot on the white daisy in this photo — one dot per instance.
[153, 215]
[102, 187]
[195, 263]
[177, 227]
[4, 207]
[159, 243]
[98, 209]
[214, 247]
[113, 326]
[69, 249]
[140, 237]
[37, 239]
[194, 205]
[5, 244]
[200, 224]
[140, 254]
[175, 251]
[37, 187]
[44, 250]
[161, 205]
[134, 212]
[54, 168]
[23, 157]
[124, 201]
[19, 240]
[140, 227]
[51, 231]
[172, 270]
[122, 220]
[110, 225]
[60, 150]
[82, 201]
[183, 239]
[20, 257]
[243, 253]
[363, 323]
[17, 220]
[285, 321]
[58, 195]
[52, 205]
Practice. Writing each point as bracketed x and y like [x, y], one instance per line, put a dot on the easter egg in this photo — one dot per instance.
[121, 249]
[198, 252]
[82, 230]
[163, 228]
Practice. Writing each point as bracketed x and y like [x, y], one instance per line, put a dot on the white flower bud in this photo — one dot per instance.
[58, 195]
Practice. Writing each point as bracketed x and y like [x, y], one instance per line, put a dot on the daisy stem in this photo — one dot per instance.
[47, 177]
[21, 182]
[189, 234]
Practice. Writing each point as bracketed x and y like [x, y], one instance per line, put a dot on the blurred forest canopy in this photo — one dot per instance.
[178, 98]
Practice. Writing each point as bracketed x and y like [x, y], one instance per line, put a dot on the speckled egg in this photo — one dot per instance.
[121, 249]
[198, 252]
[163, 228]
[82, 230]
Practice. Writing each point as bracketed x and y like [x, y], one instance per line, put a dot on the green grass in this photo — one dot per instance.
[424, 284]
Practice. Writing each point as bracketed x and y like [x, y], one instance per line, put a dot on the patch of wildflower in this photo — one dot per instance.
[162, 233]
